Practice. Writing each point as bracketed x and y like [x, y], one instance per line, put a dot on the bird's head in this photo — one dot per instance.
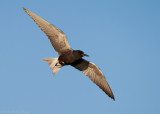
[81, 53]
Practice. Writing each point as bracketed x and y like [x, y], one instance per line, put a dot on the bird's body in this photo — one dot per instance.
[67, 56]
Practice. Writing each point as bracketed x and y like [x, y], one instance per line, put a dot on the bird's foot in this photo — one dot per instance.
[59, 62]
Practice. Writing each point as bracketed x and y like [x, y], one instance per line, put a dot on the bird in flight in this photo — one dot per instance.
[68, 56]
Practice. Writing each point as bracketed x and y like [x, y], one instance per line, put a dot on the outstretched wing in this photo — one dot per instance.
[95, 74]
[57, 37]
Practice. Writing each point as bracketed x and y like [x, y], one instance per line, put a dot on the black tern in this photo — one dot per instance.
[67, 56]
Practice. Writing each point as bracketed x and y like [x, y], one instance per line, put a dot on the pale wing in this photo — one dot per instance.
[57, 37]
[95, 74]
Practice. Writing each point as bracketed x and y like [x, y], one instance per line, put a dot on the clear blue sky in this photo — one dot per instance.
[121, 36]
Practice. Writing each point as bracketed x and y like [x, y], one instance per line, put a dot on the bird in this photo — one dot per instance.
[68, 56]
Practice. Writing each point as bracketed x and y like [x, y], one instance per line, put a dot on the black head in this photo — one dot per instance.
[81, 53]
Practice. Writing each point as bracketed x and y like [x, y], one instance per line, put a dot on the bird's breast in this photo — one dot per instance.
[67, 58]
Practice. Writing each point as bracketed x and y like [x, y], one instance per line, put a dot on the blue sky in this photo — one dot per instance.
[121, 37]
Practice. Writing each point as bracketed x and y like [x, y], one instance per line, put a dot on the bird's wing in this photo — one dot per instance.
[95, 74]
[57, 37]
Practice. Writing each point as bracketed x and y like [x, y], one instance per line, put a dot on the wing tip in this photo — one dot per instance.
[27, 11]
[24, 9]
[112, 97]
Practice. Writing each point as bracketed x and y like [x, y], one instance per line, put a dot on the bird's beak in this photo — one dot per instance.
[85, 55]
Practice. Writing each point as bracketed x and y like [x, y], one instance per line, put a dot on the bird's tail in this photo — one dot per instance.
[54, 64]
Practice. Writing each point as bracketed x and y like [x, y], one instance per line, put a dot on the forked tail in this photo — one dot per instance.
[54, 64]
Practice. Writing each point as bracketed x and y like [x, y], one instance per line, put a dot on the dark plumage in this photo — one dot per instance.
[67, 56]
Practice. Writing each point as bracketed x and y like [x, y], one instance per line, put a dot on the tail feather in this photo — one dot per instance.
[54, 64]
